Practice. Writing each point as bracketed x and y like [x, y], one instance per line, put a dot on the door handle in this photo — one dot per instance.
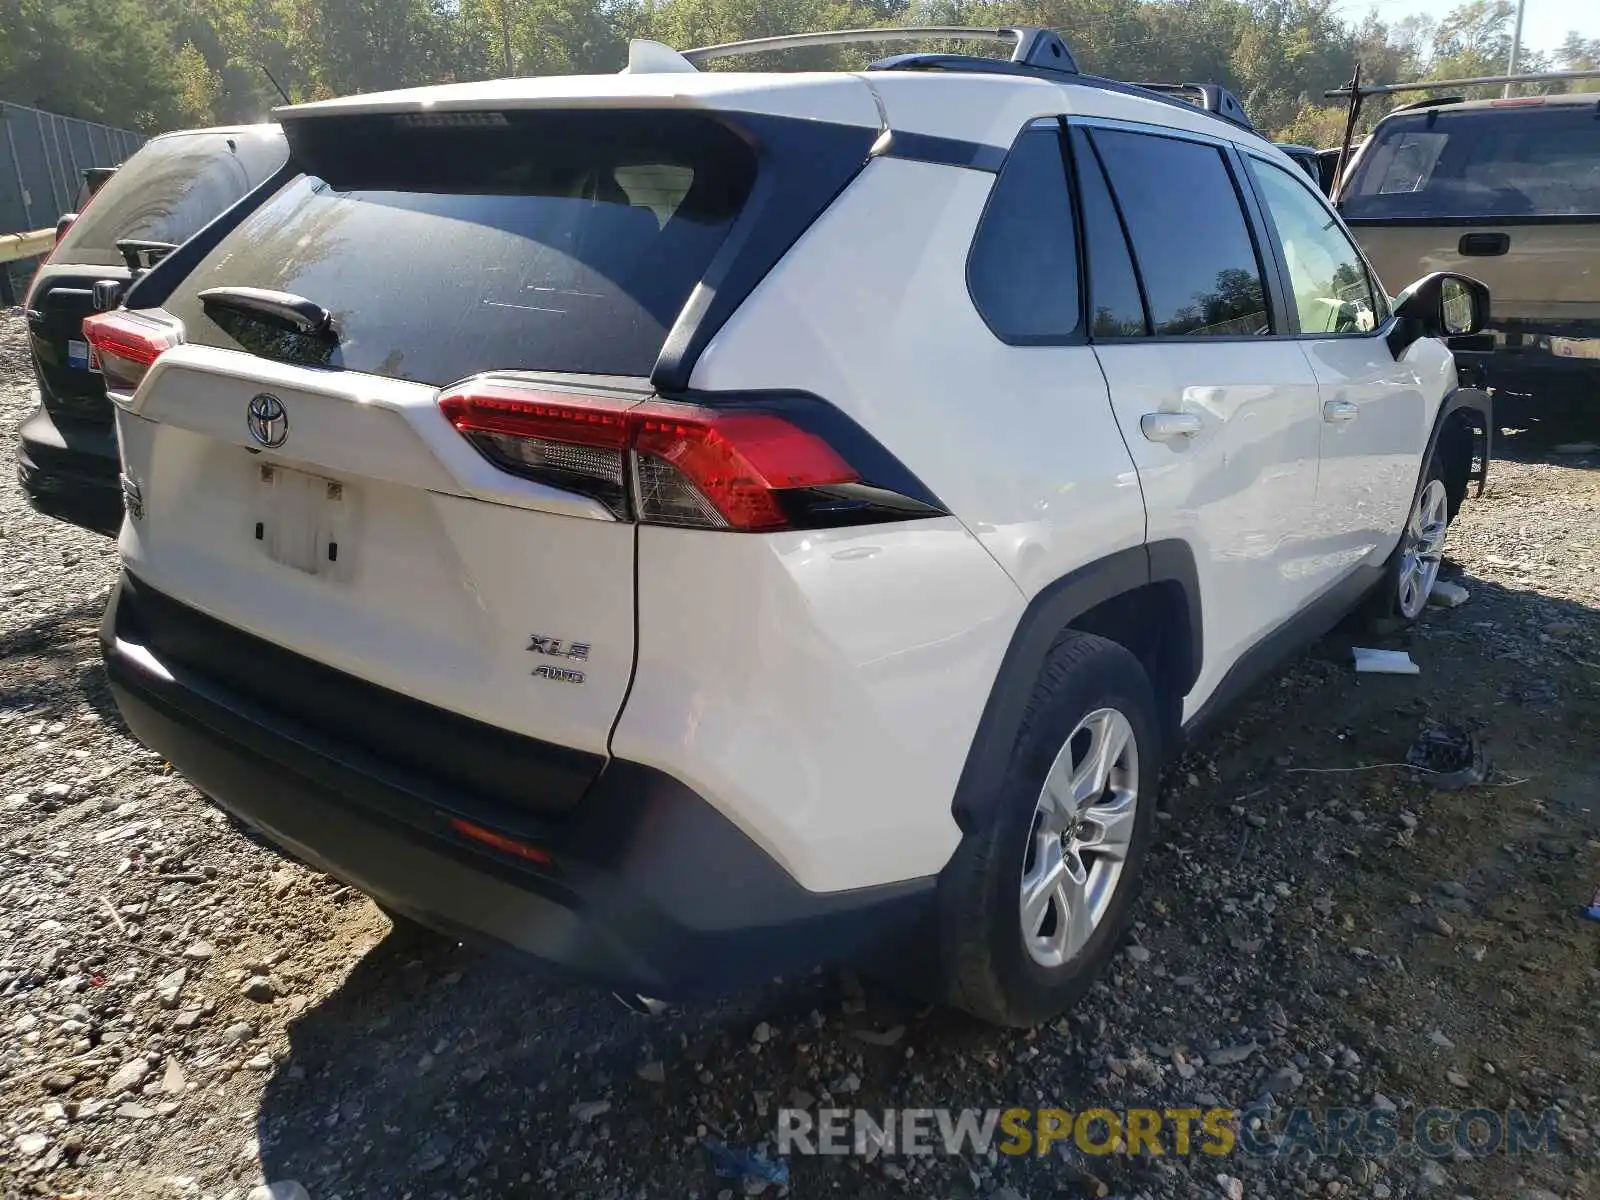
[1483, 245]
[1169, 426]
[1337, 412]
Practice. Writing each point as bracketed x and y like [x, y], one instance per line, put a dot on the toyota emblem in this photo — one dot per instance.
[269, 423]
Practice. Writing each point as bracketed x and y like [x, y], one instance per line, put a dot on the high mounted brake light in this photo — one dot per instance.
[741, 467]
[126, 346]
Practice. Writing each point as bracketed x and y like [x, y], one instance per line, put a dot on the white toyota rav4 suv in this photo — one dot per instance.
[693, 525]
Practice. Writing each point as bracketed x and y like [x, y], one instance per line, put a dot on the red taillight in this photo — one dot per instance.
[500, 841]
[125, 346]
[738, 463]
[709, 468]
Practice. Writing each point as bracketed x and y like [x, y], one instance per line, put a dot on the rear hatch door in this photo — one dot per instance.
[309, 489]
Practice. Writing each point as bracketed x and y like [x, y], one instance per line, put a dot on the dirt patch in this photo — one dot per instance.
[185, 1013]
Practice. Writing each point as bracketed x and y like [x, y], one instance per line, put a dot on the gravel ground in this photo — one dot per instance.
[186, 1013]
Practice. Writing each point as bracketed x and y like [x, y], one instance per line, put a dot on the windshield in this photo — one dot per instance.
[1514, 162]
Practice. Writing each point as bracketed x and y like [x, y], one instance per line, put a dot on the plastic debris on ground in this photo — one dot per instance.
[731, 1162]
[1448, 595]
[644, 1006]
[1384, 662]
[1449, 757]
[1593, 911]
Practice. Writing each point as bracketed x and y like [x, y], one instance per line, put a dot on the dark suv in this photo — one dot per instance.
[165, 193]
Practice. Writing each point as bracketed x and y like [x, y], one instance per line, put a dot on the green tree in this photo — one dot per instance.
[104, 60]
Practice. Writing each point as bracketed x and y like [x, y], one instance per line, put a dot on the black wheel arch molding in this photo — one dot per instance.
[1464, 401]
[1053, 610]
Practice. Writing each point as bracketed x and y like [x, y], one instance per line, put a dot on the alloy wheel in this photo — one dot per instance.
[1423, 549]
[1077, 848]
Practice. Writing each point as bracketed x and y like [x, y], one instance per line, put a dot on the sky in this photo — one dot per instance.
[1545, 23]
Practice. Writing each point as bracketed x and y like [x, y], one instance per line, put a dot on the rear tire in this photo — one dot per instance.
[1039, 892]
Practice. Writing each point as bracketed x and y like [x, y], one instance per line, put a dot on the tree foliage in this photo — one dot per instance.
[160, 64]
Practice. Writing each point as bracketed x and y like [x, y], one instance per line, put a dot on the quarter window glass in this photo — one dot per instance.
[1195, 255]
[1332, 293]
[1114, 304]
[1023, 271]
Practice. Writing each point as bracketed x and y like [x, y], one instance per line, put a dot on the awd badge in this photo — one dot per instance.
[554, 647]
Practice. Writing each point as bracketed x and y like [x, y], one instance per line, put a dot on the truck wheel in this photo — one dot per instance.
[1038, 894]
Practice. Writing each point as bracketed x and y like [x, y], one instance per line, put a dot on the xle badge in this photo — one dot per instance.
[553, 647]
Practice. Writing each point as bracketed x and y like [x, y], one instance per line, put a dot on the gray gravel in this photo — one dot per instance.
[186, 1013]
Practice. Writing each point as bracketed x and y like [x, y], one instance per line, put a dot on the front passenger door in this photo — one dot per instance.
[1374, 412]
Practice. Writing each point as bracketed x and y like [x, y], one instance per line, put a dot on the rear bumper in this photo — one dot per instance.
[70, 472]
[648, 887]
[1525, 353]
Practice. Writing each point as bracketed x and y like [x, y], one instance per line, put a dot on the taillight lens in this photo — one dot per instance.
[126, 345]
[718, 470]
[577, 443]
[741, 468]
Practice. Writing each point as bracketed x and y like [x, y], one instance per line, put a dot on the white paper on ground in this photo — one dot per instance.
[1448, 595]
[1384, 662]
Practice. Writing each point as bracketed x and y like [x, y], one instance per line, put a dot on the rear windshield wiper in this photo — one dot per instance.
[284, 310]
[142, 255]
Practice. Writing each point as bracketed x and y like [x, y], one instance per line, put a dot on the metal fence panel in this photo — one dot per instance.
[42, 157]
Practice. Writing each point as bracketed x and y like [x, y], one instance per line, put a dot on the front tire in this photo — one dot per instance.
[1413, 568]
[1039, 892]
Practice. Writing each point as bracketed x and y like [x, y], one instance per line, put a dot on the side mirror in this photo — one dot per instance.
[64, 223]
[1441, 305]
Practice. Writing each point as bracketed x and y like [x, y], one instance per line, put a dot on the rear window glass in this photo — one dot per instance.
[169, 190]
[457, 243]
[1539, 161]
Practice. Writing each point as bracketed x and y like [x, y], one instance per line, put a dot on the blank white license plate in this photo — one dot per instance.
[303, 521]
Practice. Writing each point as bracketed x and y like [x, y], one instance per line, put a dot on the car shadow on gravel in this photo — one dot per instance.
[433, 1064]
[440, 1069]
[54, 663]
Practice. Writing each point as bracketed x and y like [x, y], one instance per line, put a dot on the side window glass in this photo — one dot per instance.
[1023, 268]
[1115, 307]
[1201, 274]
[1332, 293]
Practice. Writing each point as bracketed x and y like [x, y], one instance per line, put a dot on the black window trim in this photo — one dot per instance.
[1277, 309]
[1078, 172]
[1080, 332]
[1281, 263]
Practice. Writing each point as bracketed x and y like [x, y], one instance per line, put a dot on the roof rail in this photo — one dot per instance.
[1209, 96]
[1036, 51]
[1035, 47]
[1434, 85]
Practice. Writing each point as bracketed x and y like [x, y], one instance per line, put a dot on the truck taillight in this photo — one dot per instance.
[745, 467]
[126, 345]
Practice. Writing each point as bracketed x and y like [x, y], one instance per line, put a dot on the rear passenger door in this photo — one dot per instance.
[1374, 413]
[1219, 413]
